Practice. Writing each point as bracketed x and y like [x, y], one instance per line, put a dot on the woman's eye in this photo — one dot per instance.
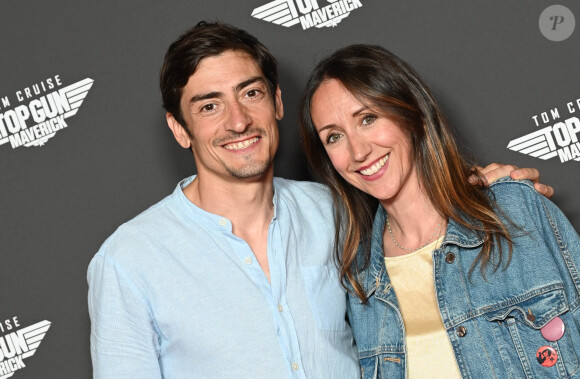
[368, 119]
[332, 138]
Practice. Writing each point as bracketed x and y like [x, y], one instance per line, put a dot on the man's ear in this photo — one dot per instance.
[179, 131]
[279, 105]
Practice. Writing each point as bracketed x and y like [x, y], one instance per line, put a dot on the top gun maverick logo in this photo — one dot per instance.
[286, 12]
[559, 139]
[34, 123]
[18, 345]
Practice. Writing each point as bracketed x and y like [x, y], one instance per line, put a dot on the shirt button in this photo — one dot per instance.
[450, 258]
[280, 308]
[295, 366]
[248, 260]
[223, 221]
[461, 331]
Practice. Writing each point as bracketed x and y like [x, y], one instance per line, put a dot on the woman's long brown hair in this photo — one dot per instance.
[387, 85]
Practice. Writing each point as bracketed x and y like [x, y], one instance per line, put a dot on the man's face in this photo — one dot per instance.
[230, 116]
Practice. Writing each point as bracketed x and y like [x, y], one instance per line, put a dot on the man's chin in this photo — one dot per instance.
[255, 171]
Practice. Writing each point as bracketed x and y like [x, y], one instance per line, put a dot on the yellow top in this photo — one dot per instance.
[429, 351]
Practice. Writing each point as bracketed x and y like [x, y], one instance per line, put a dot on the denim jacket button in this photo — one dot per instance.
[461, 331]
[450, 258]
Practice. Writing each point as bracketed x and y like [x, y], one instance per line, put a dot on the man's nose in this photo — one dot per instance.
[238, 118]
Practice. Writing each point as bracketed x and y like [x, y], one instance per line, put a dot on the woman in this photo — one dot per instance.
[446, 279]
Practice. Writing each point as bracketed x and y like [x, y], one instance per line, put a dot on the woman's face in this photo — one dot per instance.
[368, 150]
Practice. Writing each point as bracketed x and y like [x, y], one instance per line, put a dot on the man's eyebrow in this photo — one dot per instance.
[246, 83]
[205, 96]
[215, 94]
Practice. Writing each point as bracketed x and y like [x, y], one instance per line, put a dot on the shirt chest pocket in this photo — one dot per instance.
[326, 296]
[517, 329]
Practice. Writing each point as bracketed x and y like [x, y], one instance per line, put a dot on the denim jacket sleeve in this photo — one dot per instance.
[554, 227]
[542, 280]
[568, 242]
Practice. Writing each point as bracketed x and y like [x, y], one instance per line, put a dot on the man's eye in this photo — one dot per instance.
[369, 119]
[254, 93]
[208, 108]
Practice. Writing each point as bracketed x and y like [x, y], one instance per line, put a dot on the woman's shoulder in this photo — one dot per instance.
[518, 199]
[507, 187]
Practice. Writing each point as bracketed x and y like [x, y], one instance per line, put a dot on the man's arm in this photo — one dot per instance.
[494, 171]
[124, 343]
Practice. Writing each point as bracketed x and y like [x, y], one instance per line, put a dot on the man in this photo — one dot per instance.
[232, 275]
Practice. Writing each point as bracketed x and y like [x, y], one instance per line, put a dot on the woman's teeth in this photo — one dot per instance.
[376, 167]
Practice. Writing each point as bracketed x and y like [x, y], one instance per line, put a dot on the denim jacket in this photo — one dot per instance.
[493, 323]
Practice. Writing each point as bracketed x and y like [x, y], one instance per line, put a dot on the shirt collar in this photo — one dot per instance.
[204, 217]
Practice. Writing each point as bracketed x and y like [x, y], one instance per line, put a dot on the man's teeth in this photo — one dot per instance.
[376, 167]
[241, 145]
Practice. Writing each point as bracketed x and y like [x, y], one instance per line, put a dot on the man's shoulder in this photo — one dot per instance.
[306, 201]
[149, 225]
[302, 188]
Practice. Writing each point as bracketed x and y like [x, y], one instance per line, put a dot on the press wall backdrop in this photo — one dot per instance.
[84, 145]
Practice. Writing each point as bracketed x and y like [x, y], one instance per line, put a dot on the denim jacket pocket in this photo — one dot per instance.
[516, 327]
[368, 367]
[383, 365]
[326, 296]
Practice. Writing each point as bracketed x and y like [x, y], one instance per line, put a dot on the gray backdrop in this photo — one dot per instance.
[488, 63]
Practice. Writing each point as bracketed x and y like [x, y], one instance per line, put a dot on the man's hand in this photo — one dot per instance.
[494, 171]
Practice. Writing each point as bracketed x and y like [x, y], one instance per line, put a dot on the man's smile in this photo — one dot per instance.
[241, 144]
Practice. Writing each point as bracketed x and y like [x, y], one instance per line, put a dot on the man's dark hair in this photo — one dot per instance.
[204, 40]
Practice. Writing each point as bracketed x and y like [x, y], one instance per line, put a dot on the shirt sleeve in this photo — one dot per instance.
[124, 340]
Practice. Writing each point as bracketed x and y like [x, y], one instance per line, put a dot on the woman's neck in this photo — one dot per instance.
[413, 222]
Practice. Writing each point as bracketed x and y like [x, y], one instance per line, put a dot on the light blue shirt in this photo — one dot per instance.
[174, 294]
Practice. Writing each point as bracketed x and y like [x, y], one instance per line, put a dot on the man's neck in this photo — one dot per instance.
[245, 202]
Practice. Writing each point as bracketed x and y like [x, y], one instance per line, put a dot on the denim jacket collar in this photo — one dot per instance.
[375, 278]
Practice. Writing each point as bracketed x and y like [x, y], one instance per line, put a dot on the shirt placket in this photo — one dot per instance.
[274, 292]
[285, 326]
